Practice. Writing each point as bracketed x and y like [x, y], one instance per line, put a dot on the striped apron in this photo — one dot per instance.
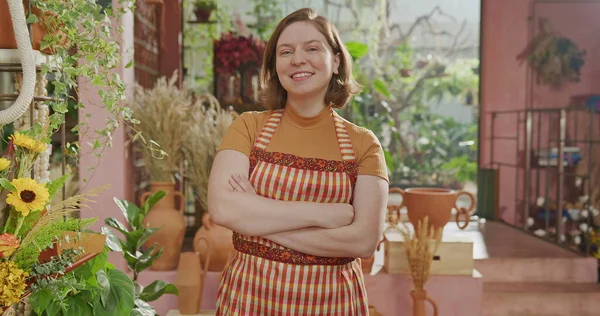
[264, 278]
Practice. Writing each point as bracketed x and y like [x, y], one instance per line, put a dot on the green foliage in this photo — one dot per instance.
[198, 43]
[56, 184]
[52, 285]
[267, 14]
[135, 234]
[437, 145]
[205, 4]
[84, 46]
[27, 255]
[95, 288]
[357, 49]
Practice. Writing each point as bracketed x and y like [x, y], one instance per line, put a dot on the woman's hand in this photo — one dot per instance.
[339, 215]
[240, 183]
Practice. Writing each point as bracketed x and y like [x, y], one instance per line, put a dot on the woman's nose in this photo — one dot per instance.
[298, 58]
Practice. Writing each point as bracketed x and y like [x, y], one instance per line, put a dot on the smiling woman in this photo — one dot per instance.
[304, 190]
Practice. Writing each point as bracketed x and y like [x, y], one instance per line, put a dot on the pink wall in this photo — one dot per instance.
[114, 166]
[506, 84]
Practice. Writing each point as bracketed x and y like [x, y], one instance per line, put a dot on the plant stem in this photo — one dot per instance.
[9, 222]
[20, 219]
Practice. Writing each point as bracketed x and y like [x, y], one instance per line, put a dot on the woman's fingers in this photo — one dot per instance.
[243, 183]
[235, 185]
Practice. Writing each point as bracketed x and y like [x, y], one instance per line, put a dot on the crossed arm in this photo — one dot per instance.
[319, 229]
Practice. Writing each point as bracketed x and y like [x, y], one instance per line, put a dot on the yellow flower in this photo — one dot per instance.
[4, 163]
[30, 196]
[27, 142]
[8, 244]
[12, 283]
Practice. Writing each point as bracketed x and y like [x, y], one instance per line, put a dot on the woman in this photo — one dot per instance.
[304, 191]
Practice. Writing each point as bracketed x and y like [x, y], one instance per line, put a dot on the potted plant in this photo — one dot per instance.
[211, 122]
[554, 58]
[84, 47]
[97, 287]
[39, 29]
[163, 115]
[203, 9]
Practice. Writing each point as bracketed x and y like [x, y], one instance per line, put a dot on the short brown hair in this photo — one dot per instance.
[341, 87]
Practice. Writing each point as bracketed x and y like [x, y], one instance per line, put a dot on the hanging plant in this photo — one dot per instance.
[554, 58]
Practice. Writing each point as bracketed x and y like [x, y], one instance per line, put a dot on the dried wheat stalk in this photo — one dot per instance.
[203, 137]
[420, 249]
[163, 115]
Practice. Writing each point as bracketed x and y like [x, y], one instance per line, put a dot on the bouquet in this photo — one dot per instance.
[29, 224]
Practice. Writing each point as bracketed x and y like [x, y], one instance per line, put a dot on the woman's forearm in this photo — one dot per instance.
[347, 241]
[254, 215]
[233, 203]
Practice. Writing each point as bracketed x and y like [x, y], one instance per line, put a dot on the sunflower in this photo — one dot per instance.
[29, 196]
[4, 163]
[24, 141]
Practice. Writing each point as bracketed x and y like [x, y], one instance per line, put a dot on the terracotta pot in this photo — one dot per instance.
[169, 218]
[436, 203]
[202, 15]
[7, 36]
[419, 298]
[367, 264]
[220, 239]
[190, 282]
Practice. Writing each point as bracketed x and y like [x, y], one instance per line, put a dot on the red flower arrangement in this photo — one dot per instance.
[232, 53]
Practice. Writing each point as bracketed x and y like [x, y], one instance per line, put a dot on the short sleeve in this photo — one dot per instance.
[370, 157]
[241, 133]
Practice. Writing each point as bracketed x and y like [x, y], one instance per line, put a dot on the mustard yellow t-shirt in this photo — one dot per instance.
[312, 137]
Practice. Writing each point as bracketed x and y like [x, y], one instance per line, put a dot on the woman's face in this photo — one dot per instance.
[305, 62]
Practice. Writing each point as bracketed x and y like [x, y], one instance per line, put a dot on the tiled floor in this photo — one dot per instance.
[498, 240]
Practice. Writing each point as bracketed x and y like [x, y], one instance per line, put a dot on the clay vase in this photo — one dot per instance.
[190, 281]
[436, 204]
[419, 298]
[220, 239]
[169, 218]
[367, 264]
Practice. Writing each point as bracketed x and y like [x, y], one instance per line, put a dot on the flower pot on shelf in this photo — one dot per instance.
[202, 15]
[169, 218]
[7, 36]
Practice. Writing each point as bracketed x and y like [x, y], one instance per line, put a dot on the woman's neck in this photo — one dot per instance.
[307, 107]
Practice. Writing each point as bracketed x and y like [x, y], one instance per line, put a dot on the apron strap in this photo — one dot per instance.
[264, 138]
[343, 138]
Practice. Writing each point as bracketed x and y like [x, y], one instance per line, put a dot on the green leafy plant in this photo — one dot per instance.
[131, 246]
[205, 4]
[555, 59]
[85, 54]
[95, 288]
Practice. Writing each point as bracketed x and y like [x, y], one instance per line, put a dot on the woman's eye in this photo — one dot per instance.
[286, 52]
[312, 49]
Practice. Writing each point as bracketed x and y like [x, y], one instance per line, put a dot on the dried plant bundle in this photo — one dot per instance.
[210, 122]
[420, 249]
[163, 115]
